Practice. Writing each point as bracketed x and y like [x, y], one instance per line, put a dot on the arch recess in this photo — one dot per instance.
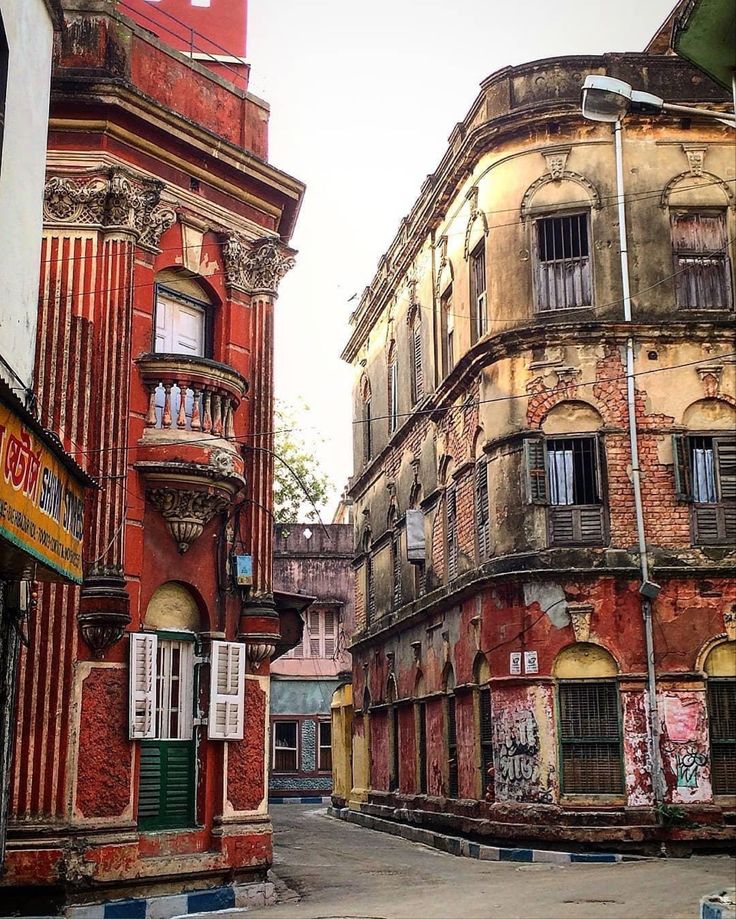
[560, 197]
[704, 190]
[720, 659]
[572, 416]
[710, 414]
[173, 607]
[448, 678]
[481, 669]
[584, 660]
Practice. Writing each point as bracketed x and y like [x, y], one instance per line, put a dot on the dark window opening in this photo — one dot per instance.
[367, 432]
[393, 394]
[395, 757]
[422, 749]
[451, 541]
[325, 746]
[702, 264]
[572, 471]
[485, 731]
[452, 777]
[590, 738]
[370, 589]
[562, 264]
[722, 727]
[569, 483]
[447, 332]
[285, 746]
[478, 306]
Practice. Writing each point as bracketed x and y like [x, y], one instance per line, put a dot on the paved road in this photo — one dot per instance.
[342, 870]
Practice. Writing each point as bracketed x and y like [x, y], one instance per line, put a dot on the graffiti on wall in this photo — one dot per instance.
[684, 747]
[520, 776]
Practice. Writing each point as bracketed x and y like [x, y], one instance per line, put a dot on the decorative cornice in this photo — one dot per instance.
[256, 267]
[109, 199]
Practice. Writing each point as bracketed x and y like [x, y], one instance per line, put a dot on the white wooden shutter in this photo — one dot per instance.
[314, 633]
[142, 692]
[227, 691]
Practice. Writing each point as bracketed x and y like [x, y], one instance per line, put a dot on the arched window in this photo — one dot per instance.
[415, 354]
[481, 677]
[448, 681]
[720, 665]
[393, 389]
[370, 579]
[478, 309]
[591, 760]
[366, 421]
[447, 331]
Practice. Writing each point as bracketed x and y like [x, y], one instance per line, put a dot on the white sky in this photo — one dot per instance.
[363, 98]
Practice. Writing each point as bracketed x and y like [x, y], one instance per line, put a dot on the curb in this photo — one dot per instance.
[456, 845]
[304, 799]
[244, 897]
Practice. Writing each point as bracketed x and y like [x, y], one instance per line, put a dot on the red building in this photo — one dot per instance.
[141, 749]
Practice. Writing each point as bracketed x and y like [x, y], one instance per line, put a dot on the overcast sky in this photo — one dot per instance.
[363, 98]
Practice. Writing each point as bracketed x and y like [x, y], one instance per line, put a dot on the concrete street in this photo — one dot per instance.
[342, 870]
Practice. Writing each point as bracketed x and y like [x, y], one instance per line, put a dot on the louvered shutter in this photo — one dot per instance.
[535, 472]
[681, 467]
[451, 519]
[396, 574]
[726, 464]
[142, 691]
[482, 515]
[227, 691]
[417, 368]
[313, 627]
[330, 621]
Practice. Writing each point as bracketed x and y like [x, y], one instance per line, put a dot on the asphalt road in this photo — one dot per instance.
[342, 871]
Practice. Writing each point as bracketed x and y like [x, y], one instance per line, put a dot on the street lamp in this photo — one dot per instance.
[608, 99]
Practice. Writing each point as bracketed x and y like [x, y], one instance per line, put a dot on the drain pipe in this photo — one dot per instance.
[648, 589]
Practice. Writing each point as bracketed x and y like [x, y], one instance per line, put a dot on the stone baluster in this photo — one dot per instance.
[217, 414]
[166, 414]
[151, 416]
[196, 418]
[181, 416]
[229, 425]
[207, 412]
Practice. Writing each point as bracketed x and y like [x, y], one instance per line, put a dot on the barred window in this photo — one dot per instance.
[702, 263]
[562, 263]
[722, 726]
[370, 590]
[485, 731]
[590, 737]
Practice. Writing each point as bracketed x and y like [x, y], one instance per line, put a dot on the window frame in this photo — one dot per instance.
[692, 254]
[537, 262]
[297, 733]
[482, 527]
[320, 746]
[163, 290]
[447, 331]
[452, 549]
[721, 742]
[392, 387]
[722, 510]
[416, 355]
[478, 298]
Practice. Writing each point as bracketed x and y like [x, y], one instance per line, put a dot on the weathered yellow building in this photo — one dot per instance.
[500, 661]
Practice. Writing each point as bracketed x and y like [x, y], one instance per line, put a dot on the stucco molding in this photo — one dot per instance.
[475, 214]
[703, 179]
[111, 199]
[186, 511]
[566, 175]
[258, 267]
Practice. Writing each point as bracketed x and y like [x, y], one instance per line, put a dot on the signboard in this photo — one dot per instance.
[515, 662]
[243, 570]
[41, 503]
[531, 662]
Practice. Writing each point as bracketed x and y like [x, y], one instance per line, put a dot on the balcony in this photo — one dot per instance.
[188, 453]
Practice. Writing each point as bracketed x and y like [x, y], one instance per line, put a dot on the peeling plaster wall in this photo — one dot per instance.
[684, 746]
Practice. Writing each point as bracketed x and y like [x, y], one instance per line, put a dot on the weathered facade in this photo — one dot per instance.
[141, 760]
[314, 560]
[500, 681]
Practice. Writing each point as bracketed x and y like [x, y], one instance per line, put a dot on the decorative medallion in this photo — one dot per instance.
[695, 158]
[556, 161]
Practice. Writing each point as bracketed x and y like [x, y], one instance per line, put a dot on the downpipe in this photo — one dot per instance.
[646, 604]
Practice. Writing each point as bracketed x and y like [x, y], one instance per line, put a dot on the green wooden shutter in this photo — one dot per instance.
[535, 472]
[725, 449]
[681, 463]
[166, 795]
[482, 514]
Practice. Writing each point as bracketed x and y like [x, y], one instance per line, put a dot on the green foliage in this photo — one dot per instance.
[290, 503]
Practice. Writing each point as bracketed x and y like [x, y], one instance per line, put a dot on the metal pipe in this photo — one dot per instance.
[694, 112]
[646, 607]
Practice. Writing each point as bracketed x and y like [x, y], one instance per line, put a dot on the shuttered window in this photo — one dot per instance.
[367, 432]
[478, 311]
[393, 391]
[590, 738]
[415, 352]
[485, 733]
[722, 727]
[705, 474]
[166, 785]
[452, 784]
[451, 531]
[396, 569]
[564, 473]
[285, 746]
[702, 264]
[447, 330]
[370, 589]
[227, 691]
[322, 627]
[482, 511]
[562, 263]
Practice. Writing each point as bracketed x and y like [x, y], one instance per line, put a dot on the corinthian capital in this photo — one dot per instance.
[256, 267]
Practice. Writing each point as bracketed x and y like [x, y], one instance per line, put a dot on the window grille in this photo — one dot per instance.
[422, 751]
[478, 314]
[702, 264]
[451, 522]
[590, 738]
[396, 569]
[452, 779]
[285, 746]
[562, 263]
[722, 726]
[325, 746]
[485, 732]
[415, 350]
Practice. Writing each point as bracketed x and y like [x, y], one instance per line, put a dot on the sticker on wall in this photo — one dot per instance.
[531, 662]
[515, 662]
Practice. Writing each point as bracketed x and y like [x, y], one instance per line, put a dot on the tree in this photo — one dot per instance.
[296, 467]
